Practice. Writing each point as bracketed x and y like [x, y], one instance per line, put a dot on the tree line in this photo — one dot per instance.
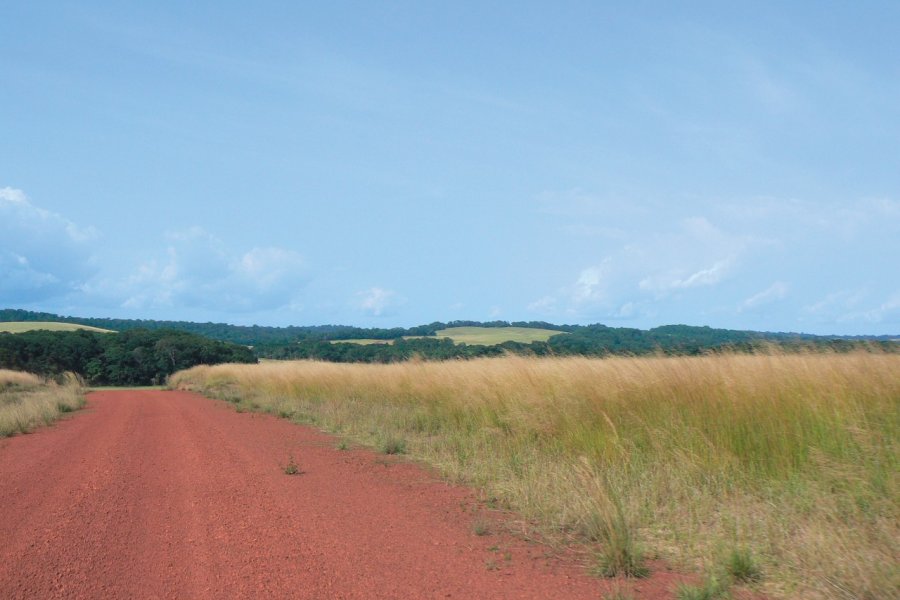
[322, 342]
[595, 342]
[136, 357]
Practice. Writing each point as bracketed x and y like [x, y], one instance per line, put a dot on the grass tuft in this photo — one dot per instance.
[742, 567]
[620, 556]
[711, 589]
[393, 445]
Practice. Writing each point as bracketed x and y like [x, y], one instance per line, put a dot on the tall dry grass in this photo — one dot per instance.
[27, 401]
[792, 457]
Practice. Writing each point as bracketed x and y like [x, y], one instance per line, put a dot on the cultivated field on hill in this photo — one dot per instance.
[485, 336]
[22, 326]
[782, 464]
[362, 341]
[27, 401]
[488, 336]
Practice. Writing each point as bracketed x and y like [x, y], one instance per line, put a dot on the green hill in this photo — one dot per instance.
[23, 326]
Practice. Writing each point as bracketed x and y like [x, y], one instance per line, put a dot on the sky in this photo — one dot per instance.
[396, 163]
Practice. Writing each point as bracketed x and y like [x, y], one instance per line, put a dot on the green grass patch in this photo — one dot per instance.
[491, 336]
[480, 336]
[742, 567]
[393, 445]
[23, 326]
[711, 589]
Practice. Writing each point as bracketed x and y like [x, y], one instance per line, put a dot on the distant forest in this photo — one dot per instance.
[136, 357]
[318, 342]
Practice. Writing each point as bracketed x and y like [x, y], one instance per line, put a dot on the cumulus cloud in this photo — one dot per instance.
[687, 255]
[43, 255]
[199, 271]
[590, 287]
[722, 260]
[378, 301]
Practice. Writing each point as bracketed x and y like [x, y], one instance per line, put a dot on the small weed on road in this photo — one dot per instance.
[292, 468]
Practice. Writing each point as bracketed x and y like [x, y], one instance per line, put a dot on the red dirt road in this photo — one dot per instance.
[149, 494]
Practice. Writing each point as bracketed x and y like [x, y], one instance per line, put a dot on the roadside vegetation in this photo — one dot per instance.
[773, 470]
[27, 401]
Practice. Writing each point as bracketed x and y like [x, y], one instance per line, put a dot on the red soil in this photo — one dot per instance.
[171, 495]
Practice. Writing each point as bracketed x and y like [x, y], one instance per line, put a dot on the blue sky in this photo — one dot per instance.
[395, 163]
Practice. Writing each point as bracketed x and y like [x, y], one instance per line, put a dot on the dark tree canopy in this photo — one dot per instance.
[136, 357]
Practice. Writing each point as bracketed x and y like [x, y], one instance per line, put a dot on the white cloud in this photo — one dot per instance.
[703, 277]
[849, 306]
[662, 283]
[590, 285]
[43, 255]
[544, 306]
[267, 268]
[836, 304]
[199, 271]
[664, 262]
[691, 258]
[378, 301]
[887, 310]
[651, 268]
[774, 292]
[629, 309]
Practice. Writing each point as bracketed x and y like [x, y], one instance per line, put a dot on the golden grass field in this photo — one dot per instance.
[789, 460]
[27, 401]
[22, 326]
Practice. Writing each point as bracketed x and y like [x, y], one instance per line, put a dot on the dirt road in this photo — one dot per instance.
[150, 494]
